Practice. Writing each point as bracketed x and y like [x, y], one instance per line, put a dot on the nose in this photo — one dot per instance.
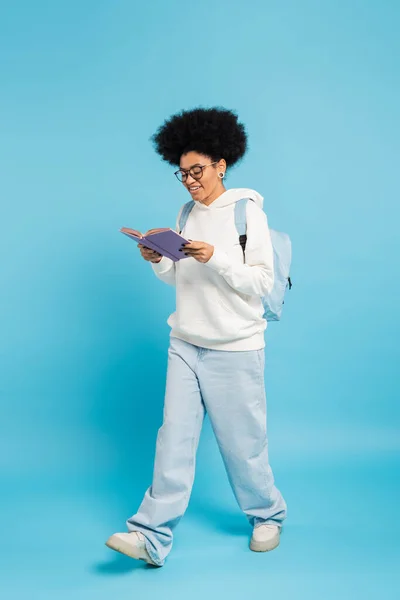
[189, 180]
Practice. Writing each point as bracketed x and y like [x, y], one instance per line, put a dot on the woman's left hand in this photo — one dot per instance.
[201, 251]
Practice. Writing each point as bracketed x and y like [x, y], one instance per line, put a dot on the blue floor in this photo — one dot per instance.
[341, 539]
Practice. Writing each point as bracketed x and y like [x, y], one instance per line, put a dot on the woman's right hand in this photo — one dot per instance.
[149, 255]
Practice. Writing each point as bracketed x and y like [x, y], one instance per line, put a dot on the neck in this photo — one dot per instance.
[220, 189]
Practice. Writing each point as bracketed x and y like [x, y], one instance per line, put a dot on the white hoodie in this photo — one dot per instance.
[218, 304]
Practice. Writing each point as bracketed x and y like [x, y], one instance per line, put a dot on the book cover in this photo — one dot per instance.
[165, 241]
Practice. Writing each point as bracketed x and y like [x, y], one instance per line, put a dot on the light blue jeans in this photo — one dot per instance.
[229, 386]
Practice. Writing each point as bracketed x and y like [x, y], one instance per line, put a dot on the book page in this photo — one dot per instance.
[151, 231]
[131, 232]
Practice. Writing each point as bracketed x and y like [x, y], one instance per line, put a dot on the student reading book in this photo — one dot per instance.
[216, 354]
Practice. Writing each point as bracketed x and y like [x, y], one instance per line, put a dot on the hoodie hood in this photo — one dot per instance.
[232, 196]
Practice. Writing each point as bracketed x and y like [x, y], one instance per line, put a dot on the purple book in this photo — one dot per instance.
[165, 241]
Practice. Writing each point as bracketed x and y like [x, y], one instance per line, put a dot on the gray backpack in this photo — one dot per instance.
[282, 248]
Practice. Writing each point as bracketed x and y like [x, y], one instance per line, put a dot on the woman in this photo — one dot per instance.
[216, 353]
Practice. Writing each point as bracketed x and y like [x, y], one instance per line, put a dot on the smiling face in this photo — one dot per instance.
[206, 185]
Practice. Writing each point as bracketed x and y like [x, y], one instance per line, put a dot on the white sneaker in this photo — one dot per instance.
[132, 544]
[265, 538]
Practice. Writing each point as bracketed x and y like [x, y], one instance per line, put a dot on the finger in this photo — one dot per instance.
[193, 246]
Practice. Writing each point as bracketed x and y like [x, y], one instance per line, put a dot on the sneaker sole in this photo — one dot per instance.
[114, 543]
[264, 546]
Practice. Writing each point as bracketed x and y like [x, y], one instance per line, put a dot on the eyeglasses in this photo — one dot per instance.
[196, 172]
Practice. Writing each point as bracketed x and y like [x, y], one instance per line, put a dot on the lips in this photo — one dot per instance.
[194, 188]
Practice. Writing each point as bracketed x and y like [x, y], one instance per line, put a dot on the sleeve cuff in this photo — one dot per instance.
[219, 261]
[162, 266]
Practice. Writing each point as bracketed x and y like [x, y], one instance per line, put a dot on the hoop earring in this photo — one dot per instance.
[221, 175]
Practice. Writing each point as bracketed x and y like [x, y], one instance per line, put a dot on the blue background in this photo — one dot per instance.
[83, 319]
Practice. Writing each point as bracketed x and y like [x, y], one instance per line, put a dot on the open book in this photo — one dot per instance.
[165, 241]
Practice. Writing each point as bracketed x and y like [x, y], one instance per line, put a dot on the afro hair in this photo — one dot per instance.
[214, 132]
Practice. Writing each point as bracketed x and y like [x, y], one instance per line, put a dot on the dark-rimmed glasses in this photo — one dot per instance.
[195, 172]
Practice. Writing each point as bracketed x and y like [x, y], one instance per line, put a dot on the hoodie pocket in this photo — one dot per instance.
[240, 300]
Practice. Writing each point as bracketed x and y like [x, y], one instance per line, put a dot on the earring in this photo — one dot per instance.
[221, 175]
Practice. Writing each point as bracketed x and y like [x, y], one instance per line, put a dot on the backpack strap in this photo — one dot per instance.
[184, 214]
[241, 221]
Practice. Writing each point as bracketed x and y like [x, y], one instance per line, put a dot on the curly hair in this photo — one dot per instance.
[214, 132]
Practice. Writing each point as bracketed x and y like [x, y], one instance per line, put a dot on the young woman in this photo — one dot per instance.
[216, 352]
